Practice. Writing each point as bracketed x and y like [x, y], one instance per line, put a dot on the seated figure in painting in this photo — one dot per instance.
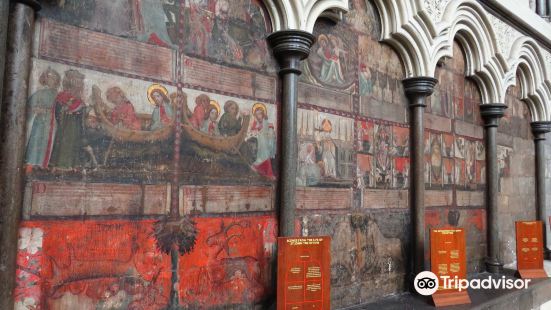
[309, 172]
[123, 115]
[199, 114]
[162, 114]
[210, 125]
[41, 125]
[230, 122]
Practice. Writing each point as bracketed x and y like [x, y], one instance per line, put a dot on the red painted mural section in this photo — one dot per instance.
[106, 264]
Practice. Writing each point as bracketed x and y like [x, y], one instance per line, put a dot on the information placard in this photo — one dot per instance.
[303, 273]
[530, 249]
[448, 258]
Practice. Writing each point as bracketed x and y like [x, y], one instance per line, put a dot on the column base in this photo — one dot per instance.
[493, 266]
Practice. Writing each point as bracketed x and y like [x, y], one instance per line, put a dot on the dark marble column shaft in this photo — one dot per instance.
[16, 80]
[290, 47]
[539, 129]
[491, 113]
[417, 90]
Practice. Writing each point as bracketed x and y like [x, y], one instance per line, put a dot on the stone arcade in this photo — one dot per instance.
[153, 151]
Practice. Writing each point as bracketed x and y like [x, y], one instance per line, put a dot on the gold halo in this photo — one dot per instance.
[261, 106]
[216, 105]
[153, 88]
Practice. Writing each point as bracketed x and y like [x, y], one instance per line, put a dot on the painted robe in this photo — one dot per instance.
[265, 135]
[210, 127]
[162, 116]
[308, 173]
[328, 154]
[229, 125]
[41, 127]
[331, 70]
[198, 116]
[124, 116]
[366, 85]
[151, 22]
[69, 114]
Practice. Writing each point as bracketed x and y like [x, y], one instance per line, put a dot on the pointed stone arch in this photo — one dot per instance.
[527, 60]
[423, 31]
[302, 14]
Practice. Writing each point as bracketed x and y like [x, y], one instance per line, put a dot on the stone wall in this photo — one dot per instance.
[140, 110]
[516, 200]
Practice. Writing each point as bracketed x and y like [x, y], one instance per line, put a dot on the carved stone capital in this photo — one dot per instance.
[539, 129]
[290, 47]
[491, 113]
[418, 88]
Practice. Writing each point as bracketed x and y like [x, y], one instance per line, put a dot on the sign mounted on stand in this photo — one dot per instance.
[448, 259]
[530, 249]
[303, 273]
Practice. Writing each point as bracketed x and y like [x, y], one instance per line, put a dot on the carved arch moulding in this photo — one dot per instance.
[423, 31]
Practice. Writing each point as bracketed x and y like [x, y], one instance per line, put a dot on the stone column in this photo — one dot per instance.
[491, 113]
[417, 90]
[539, 129]
[290, 47]
[541, 7]
[4, 11]
[18, 64]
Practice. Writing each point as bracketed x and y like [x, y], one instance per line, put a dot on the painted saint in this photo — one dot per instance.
[366, 84]
[69, 112]
[230, 122]
[264, 132]
[383, 155]
[163, 113]
[328, 149]
[123, 115]
[436, 159]
[210, 125]
[41, 120]
[330, 52]
[199, 114]
[151, 22]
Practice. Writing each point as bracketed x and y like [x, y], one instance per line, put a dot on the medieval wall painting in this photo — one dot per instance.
[89, 120]
[333, 59]
[196, 200]
[231, 261]
[383, 155]
[234, 137]
[229, 31]
[77, 199]
[364, 246]
[503, 162]
[436, 159]
[361, 16]
[233, 34]
[380, 83]
[325, 149]
[95, 122]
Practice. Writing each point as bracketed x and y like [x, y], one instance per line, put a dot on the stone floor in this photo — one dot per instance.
[536, 297]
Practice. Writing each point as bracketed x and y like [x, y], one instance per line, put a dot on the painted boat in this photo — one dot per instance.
[124, 134]
[228, 145]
